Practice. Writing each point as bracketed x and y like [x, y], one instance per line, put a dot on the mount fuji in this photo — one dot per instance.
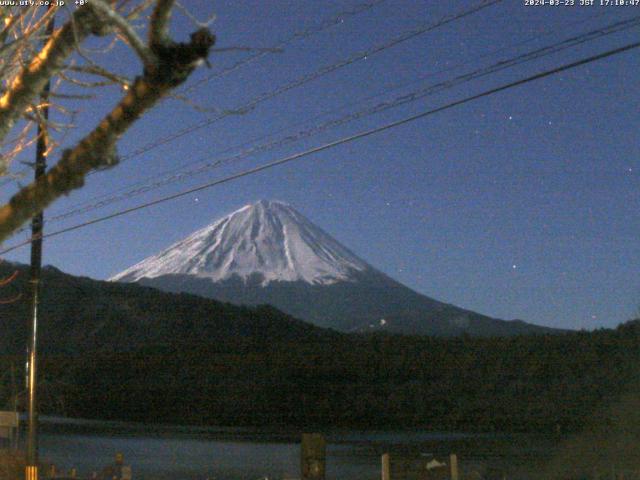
[269, 253]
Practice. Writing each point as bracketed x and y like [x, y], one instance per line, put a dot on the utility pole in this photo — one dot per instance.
[14, 395]
[31, 471]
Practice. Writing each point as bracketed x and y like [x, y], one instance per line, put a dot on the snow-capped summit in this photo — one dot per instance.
[267, 238]
[268, 253]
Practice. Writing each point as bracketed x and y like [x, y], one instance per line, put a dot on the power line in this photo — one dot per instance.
[358, 56]
[408, 35]
[177, 169]
[336, 143]
[308, 78]
[183, 174]
[335, 20]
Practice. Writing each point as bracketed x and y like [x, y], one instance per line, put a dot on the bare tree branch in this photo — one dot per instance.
[248, 49]
[127, 31]
[48, 62]
[196, 106]
[159, 28]
[138, 9]
[6, 281]
[73, 96]
[15, 298]
[101, 72]
[175, 61]
[192, 17]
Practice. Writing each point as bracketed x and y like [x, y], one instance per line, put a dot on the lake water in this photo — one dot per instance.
[165, 452]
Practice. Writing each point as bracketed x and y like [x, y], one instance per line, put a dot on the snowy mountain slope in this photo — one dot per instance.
[268, 238]
[268, 253]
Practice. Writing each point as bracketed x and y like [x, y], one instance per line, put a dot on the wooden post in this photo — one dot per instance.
[313, 454]
[453, 463]
[126, 472]
[37, 225]
[386, 467]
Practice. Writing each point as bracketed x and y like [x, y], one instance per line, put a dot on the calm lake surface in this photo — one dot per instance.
[168, 452]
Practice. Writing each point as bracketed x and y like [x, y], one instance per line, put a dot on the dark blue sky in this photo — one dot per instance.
[522, 204]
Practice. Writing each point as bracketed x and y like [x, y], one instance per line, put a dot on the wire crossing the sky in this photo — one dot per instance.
[335, 20]
[105, 199]
[182, 174]
[356, 57]
[249, 106]
[338, 19]
[335, 143]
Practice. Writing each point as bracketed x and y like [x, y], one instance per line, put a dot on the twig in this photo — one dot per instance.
[127, 31]
[100, 72]
[5, 281]
[97, 150]
[248, 49]
[159, 28]
[198, 23]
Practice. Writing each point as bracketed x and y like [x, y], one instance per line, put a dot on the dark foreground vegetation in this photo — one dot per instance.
[526, 383]
[126, 352]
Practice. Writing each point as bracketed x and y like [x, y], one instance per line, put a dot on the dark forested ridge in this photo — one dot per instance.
[127, 352]
[357, 305]
[81, 315]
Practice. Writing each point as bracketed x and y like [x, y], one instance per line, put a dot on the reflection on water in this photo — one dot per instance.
[175, 458]
[157, 452]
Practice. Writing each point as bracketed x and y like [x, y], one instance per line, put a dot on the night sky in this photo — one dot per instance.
[523, 204]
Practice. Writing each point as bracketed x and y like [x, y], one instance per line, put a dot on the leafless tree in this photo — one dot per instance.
[29, 59]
